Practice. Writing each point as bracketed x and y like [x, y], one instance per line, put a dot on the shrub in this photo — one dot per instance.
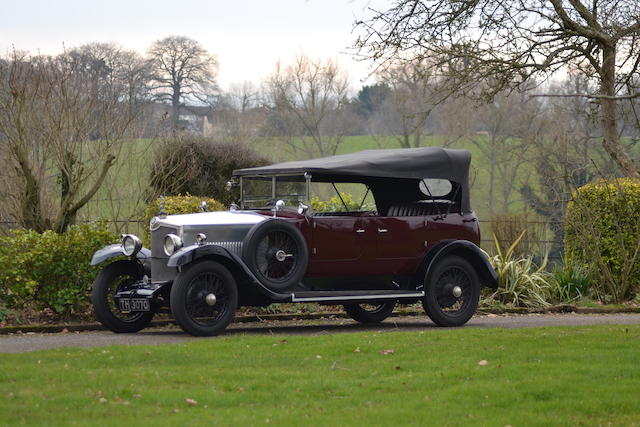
[520, 282]
[50, 270]
[569, 282]
[335, 204]
[602, 234]
[197, 165]
[174, 205]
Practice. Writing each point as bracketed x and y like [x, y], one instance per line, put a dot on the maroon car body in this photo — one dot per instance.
[412, 237]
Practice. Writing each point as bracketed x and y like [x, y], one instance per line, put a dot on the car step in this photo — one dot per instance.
[319, 296]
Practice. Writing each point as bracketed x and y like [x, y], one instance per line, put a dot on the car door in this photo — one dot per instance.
[400, 241]
[341, 246]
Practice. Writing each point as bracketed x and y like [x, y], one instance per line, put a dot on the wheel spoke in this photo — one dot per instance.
[266, 261]
[447, 301]
[195, 301]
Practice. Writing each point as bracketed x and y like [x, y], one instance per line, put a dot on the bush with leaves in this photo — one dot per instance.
[174, 205]
[199, 166]
[602, 234]
[50, 270]
[569, 282]
[335, 204]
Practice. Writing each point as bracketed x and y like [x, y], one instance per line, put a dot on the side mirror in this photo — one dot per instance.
[302, 209]
[277, 207]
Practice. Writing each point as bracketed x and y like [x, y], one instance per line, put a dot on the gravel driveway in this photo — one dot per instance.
[18, 343]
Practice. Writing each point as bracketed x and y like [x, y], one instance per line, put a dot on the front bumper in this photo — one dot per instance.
[157, 293]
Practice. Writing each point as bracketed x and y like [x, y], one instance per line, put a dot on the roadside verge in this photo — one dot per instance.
[79, 327]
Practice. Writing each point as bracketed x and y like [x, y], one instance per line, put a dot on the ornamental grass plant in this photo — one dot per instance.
[521, 283]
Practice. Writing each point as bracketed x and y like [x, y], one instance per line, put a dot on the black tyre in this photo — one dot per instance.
[276, 253]
[370, 313]
[452, 292]
[113, 278]
[204, 298]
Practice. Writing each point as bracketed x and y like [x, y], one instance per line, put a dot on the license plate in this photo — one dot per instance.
[134, 304]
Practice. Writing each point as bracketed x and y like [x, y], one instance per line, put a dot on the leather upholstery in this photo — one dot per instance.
[417, 209]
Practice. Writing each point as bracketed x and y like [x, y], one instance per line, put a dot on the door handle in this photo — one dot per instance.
[382, 230]
[360, 230]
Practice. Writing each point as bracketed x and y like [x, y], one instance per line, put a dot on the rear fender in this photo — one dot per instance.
[466, 250]
[190, 254]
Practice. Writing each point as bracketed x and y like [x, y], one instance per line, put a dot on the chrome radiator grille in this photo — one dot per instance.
[159, 270]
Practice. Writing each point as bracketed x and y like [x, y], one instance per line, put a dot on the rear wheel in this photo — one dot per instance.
[116, 277]
[453, 291]
[370, 313]
[204, 298]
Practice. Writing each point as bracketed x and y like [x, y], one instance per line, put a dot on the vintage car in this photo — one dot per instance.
[412, 238]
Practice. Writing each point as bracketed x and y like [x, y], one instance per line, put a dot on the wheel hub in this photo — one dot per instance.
[282, 255]
[457, 291]
[211, 299]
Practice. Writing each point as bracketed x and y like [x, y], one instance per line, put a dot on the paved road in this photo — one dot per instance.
[19, 343]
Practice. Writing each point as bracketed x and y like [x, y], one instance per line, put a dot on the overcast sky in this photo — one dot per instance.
[247, 36]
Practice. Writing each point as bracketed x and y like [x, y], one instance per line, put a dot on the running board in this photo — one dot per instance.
[319, 296]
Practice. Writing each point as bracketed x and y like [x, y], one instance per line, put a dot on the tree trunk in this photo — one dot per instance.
[417, 138]
[31, 215]
[175, 107]
[492, 176]
[610, 141]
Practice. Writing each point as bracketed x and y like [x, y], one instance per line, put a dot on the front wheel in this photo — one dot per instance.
[370, 313]
[204, 298]
[453, 292]
[116, 277]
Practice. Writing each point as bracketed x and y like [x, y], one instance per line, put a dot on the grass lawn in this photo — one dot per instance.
[542, 376]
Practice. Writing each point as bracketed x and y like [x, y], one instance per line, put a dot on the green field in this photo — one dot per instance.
[127, 186]
[541, 376]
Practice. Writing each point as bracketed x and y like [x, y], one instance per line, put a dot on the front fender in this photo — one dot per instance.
[192, 253]
[115, 250]
[469, 251]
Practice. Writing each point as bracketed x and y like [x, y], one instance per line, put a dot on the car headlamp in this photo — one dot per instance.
[131, 244]
[171, 244]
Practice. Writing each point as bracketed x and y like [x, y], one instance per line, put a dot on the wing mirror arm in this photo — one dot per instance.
[278, 207]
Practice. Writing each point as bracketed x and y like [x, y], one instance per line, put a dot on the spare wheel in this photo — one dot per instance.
[275, 251]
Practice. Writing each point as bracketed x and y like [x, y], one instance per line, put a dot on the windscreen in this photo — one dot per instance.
[262, 192]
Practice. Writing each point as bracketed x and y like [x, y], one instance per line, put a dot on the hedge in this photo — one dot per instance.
[602, 233]
[50, 270]
[174, 205]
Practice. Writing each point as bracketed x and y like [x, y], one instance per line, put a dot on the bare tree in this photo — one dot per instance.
[509, 125]
[305, 100]
[562, 153]
[413, 96]
[60, 126]
[514, 40]
[123, 70]
[181, 69]
[237, 116]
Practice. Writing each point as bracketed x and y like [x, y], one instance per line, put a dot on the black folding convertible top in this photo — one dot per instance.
[402, 163]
